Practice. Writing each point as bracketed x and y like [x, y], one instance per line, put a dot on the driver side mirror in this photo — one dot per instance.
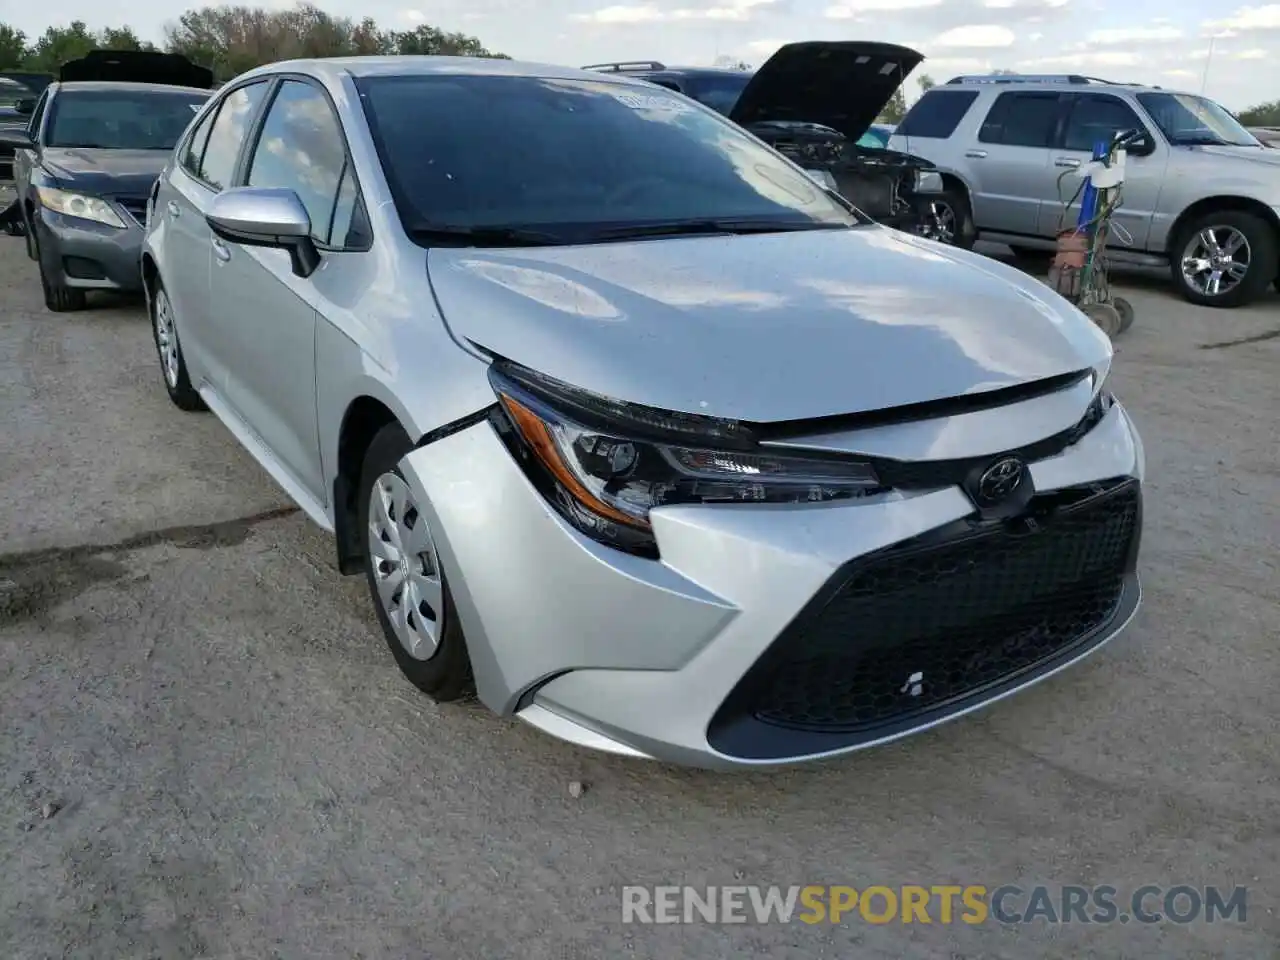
[25, 107]
[266, 217]
[1143, 146]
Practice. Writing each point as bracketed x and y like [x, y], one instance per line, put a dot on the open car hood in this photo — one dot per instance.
[839, 84]
[137, 66]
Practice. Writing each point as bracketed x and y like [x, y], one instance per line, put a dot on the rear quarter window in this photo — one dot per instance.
[937, 114]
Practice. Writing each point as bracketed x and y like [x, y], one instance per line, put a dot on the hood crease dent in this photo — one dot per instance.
[765, 327]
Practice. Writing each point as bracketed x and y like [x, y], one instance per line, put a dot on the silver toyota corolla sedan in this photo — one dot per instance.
[633, 428]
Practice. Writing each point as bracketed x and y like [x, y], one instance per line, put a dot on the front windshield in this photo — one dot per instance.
[121, 119]
[1188, 120]
[576, 158]
[719, 91]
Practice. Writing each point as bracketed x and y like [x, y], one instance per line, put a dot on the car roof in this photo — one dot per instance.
[1065, 82]
[131, 87]
[332, 68]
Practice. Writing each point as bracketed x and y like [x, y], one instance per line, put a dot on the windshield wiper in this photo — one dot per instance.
[707, 227]
[1204, 140]
[444, 233]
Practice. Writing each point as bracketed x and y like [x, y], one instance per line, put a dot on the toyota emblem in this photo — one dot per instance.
[999, 481]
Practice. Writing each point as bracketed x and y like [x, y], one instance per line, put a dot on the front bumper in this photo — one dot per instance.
[708, 657]
[91, 256]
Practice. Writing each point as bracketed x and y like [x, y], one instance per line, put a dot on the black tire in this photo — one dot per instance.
[1105, 316]
[1263, 245]
[1125, 309]
[33, 252]
[57, 297]
[446, 676]
[181, 392]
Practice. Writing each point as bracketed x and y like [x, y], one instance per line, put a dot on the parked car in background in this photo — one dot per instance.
[1200, 194]
[1267, 136]
[876, 137]
[85, 162]
[631, 428]
[817, 103]
[16, 103]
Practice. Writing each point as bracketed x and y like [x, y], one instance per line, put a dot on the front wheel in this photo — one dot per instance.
[406, 580]
[58, 297]
[172, 365]
[949, 219]
[1224, 259]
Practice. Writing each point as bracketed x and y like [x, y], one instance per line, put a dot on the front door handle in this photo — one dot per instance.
[975, 154]
[1066, 162]
[174, 209]
[221, 251]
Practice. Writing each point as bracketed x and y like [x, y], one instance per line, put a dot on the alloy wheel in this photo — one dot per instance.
[1216, 260]
[166, 338]
[943, 222]
[406, 567]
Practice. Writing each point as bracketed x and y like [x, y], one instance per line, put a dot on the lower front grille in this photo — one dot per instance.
[136, 207]
[923, 627]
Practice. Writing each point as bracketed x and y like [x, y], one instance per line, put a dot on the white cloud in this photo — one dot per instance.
[732, 10]
[976, 36]
[1256, 53]
[1179, 73]
[854, 9]
[1099, 58]
[1036, 37]
[1118, 36]
[1249, 18]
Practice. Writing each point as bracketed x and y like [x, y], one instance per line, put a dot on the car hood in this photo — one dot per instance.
[124, 172]
[840, 84]
[1265, 157]
[137, 66]
[765, 327]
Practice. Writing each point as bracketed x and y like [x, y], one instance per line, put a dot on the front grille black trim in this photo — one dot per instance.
[735, 731]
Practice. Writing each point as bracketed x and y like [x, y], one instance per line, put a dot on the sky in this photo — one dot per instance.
[1232, 53]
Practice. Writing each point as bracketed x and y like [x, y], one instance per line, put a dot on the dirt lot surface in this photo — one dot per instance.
[207, 751]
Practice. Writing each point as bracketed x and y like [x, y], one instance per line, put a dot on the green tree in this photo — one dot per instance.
[926, 82]
[426, 40]
[895, 109]
[13, 47]
[57, 45]
[1263, 115]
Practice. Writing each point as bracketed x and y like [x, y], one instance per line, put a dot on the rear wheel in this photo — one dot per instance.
[1224, 259]
[407, 583]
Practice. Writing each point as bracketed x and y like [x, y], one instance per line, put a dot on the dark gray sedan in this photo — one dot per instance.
[84, 167]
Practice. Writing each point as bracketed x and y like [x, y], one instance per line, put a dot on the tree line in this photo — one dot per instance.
[233, 39]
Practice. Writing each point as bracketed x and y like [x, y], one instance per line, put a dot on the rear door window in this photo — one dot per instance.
[1023, 119]
[937, 114]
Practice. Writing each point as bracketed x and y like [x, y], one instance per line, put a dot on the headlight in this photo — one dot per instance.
[605, 464]
[929, 181]
[78, 205]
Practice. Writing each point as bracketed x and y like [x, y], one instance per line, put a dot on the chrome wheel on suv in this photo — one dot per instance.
[1224, 259]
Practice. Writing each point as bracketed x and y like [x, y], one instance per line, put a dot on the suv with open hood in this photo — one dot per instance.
[86, 160]
[815, 102]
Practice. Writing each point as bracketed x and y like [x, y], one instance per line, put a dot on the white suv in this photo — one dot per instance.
[1201, 194]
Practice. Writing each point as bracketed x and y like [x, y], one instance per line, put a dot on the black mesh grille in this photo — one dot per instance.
[921, 626]
[136, 207]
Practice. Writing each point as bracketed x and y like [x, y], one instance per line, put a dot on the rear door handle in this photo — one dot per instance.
[1066, 162]
[174, 209]
[221, 251]
[975, 154]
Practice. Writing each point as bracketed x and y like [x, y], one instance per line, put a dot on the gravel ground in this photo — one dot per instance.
[207, 751]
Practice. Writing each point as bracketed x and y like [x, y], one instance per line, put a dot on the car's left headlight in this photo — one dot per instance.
[604, 464]
[80, 205]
